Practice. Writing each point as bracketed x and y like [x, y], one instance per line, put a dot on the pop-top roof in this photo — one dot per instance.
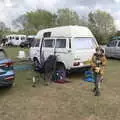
[66, 31]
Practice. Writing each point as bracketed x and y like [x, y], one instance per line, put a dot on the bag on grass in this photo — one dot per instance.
[60, 77]
[89, 76]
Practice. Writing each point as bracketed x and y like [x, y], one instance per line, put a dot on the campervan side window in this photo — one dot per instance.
[60, 43]
[69, 43]
[49, 43]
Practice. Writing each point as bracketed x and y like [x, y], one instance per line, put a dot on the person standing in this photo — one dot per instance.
[98, 66]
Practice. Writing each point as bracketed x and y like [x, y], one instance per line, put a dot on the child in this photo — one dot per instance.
[98, 64]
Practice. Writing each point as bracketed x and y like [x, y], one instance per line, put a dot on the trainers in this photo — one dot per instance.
[97, 94]
[94, 89]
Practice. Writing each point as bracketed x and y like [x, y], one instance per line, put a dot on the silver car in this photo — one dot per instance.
[113, 49]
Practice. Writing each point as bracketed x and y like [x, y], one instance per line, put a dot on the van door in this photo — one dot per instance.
[63, 51]
[48, 47]
[35, 50]
[118, 50]
[111, 49]
[84, 48]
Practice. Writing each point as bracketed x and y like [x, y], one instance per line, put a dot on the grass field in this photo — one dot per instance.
[72, 101]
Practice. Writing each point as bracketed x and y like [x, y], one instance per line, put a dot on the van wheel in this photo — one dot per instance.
[61, 67]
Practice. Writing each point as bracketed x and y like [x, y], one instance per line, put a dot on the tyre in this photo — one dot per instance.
[61, 67]
[10, 86]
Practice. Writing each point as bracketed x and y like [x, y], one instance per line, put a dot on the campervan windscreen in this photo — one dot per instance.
[84, 43]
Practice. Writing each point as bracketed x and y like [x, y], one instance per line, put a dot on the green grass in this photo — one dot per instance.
[12, 52]
[73, 101]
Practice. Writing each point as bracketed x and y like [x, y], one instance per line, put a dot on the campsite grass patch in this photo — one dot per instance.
[72, 101]
[12, 52]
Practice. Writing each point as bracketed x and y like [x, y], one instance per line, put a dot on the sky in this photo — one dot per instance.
[11, 9]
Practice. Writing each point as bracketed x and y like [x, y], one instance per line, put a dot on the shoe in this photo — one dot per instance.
[46, 84]
[97, 94]
[94, 89]
[33, 85]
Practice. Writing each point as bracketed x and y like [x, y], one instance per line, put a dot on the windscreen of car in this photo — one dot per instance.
[60, 43]
[2, 55]
[112, 44]
[84, 43]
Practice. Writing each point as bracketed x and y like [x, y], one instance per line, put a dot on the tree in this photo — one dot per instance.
[67, 17]
[39, 19]
[33, 21]
[102, 25]
[3, 30]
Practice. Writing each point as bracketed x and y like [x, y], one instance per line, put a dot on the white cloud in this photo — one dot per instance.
[11, 9]
[117, 1]
[8, 3]
[117, 24]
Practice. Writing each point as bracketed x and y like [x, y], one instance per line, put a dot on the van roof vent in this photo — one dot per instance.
[47, 34]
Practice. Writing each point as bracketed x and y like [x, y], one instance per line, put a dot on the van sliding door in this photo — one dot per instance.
[63, 51]
[48, 47]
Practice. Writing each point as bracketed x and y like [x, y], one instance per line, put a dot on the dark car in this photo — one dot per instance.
[7, 73]
[25, 44]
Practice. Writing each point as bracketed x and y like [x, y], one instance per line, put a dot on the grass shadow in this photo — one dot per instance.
[4, 90]
[79, 75]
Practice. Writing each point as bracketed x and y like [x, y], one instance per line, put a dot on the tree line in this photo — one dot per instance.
[100, 22]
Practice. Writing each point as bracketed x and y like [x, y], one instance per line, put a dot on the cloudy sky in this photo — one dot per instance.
[11, 9]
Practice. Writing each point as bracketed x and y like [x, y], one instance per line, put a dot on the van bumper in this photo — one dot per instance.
[79, 69]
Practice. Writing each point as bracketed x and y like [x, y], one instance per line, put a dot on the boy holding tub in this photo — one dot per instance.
[98, 65]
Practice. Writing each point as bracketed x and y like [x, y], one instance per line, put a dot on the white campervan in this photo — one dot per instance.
[16, 40]
[73, 46]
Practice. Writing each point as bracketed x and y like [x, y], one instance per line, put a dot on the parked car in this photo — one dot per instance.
[73, 46]
[25, 44]
[113, 49]
[28, 42]
[7, 74]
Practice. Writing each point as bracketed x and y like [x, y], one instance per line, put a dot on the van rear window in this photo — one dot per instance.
[84, 43]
